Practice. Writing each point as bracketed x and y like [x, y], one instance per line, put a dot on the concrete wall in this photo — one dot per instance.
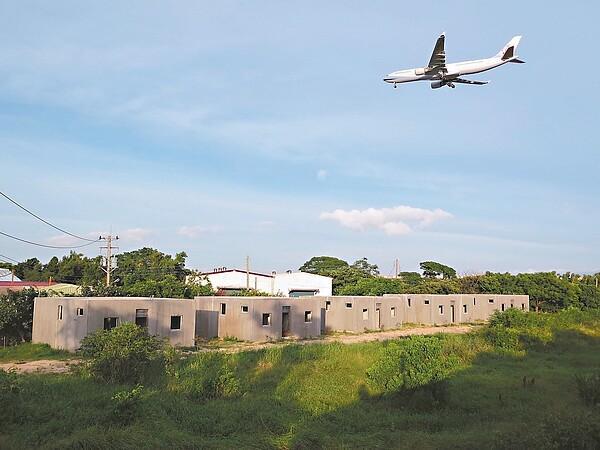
[62, 322]
[343, 313]
[83, 315]
[244, 317]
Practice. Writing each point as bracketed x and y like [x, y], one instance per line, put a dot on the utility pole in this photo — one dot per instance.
[110, 262]
[397, 269]
[247, 272]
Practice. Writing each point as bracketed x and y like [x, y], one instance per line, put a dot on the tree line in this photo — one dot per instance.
[145, 273]
[548, 291]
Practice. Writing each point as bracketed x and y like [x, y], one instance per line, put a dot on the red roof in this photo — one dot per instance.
[25, 284]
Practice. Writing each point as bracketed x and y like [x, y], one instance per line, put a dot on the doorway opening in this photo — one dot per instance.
[285, 321]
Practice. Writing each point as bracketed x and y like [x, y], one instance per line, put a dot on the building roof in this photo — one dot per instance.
[6, 274]
[64, 288]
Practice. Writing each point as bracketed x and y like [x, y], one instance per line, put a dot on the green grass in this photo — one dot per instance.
[318, 396]
[32, 352]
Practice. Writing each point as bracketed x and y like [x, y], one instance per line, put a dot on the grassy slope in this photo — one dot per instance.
[318, 397]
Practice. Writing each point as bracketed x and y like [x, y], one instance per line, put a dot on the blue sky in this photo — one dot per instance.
[233, 128]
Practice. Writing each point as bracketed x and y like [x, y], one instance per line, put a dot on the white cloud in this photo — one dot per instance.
[135, 234]
[393, 221]
[194, 232]
[322, 174]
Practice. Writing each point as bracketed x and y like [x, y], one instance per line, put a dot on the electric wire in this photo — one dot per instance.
[7, 259]
[46, 222]
[45, 245]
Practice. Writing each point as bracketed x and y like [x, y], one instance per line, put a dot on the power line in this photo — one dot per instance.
[46, 222]
[7, 259]
[45, 245]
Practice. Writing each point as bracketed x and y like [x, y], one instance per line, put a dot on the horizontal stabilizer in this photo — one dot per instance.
[517, 60]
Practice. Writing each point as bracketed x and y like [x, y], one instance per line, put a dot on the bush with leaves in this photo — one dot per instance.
[588, 387]
[124, 354]
[411, 363]
[207, 376]
[125, 406]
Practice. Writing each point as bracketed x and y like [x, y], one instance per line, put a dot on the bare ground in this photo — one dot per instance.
[56, 366]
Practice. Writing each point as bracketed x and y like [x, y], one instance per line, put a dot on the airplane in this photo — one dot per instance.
[442, 74]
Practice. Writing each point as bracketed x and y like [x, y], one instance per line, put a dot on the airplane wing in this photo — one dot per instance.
[462, 80]
[437, 62]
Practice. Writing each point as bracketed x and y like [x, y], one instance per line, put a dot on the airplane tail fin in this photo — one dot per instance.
[508, 52]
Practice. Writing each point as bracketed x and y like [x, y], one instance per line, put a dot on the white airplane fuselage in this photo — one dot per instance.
[442, 74]
[454, 70]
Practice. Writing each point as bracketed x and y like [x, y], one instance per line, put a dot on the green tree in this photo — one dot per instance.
[432, 269]
[547, 292]
[30, 270]
[147, 272]
[322, 265]
[364, 266]
[373, 286]
[410, 278]
[16, 314]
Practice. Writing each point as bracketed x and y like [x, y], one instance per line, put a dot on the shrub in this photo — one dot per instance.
[574, 430]
[9, 396]
[411, 363]
[208, 376]
[125, 406]
[588, 387]
[501, 337]
[511, 318]
[124, 354]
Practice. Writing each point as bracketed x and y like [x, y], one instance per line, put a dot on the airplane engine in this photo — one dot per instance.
[437, 84]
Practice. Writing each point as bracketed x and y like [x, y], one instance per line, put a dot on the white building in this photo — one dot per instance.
[289, 284]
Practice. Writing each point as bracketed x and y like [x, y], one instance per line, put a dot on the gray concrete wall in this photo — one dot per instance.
[344, 313]
[243, 317]
[67, 332]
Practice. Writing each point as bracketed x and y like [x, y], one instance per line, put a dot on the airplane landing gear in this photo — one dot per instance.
[395, 86]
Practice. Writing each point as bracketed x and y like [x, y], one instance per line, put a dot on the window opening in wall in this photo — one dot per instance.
[409, 302]
[266, 319]
[523, 306]
[141, 317]
[393, 311]
[365, 313]
[426, 302]
[503, 307]
[110, 322]
[80, 311]
[327, 305]
[474, 301]
[491, 300]
[441, 308]
[307, 316]
[465, 309]
[175, 322]
[223, 308]
[244, 308]
[348, 305]
[60, 312]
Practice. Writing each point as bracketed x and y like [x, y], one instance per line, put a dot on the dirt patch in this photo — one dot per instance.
[41, 366]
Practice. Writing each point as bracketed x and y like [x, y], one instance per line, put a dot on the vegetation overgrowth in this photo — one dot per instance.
[523, 381]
